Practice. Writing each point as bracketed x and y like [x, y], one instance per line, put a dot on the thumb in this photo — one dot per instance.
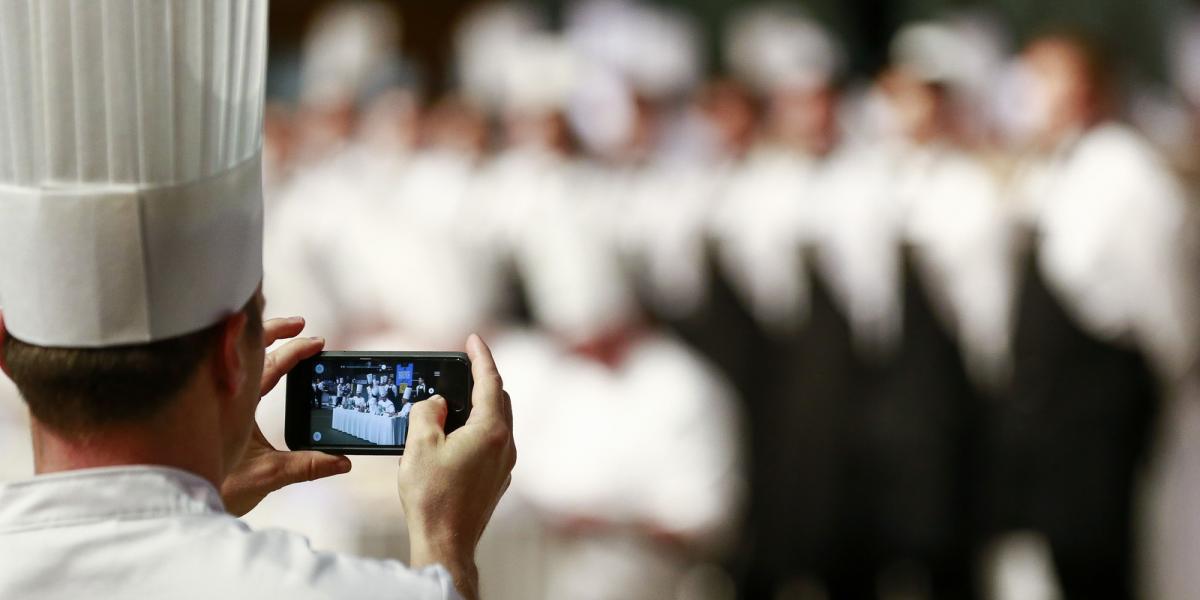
[310, 466]
[427, 422]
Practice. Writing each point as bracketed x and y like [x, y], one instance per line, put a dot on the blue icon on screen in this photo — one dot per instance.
[320, 369]
[316, 436]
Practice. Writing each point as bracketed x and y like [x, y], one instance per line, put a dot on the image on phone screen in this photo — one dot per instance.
[353, 401]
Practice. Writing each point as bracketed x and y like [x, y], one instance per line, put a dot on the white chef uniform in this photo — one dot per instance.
[760, 222]
[954, 219]
[155, 532]
[1115, 225]
[652, 441]
[130, 188]
[767, 211]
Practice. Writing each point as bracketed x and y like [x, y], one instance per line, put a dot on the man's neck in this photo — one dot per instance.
[171, 440]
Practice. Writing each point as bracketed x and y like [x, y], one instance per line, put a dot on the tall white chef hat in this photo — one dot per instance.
[777, 46]
[656, 50]
[934, 51]
[351, 50]
[486, 43]
[540, 75]
[130, 171]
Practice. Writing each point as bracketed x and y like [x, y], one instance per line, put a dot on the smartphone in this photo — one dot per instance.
[359, 402]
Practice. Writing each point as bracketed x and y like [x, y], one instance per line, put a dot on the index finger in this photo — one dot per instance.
[488, 396]
[279, 362]
[277, 329]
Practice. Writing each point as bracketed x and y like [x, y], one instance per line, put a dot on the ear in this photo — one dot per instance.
[3, 335]
[229, 365]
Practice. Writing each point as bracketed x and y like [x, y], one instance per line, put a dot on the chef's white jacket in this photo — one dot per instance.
[152, 532]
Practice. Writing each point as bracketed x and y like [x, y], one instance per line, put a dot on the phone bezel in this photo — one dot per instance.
[297, 411]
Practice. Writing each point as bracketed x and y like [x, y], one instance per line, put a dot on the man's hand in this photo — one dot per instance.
[450, 484]
[263, 469]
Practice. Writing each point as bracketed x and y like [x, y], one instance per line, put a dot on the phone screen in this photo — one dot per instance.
[352, 401]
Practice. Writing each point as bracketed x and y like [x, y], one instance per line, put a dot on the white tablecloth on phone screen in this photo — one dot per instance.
[377, 429]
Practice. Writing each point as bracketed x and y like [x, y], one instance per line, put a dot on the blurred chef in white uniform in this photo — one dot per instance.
[1072, 98]
[645, 390]
[665, 162]
[945, 254]
[767, 209]
[423, 233]
[621, 516]
[765, 229]
[529, 188]
[950, 202]
[422, 239]
[326, 218]
[1106, 320]
[142, 395]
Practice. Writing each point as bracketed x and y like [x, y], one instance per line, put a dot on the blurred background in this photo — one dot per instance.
[820, 300]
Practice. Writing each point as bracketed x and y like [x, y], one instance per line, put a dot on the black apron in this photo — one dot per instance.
[1066, 442]
[909, 460]
[799, 429]
[856, 463]
[721, 328]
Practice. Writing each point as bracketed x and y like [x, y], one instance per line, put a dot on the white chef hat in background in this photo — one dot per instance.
[540, 75]
[934, 52]
[485, 45]
[655, 50]
[776, 46]
[351, 50]
[130, 168]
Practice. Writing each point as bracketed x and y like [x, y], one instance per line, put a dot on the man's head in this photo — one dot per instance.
[805, 117]
[1070, 84]
[922, 107]
[209, 377]
[731, 114]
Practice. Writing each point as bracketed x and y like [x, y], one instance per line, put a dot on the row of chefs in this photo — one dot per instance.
[926, 365]
[927, 356]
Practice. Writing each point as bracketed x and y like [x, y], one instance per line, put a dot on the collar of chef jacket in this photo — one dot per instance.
[90, 495]
[154, 532]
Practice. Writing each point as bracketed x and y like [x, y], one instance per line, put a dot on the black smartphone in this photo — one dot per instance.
[359, 402]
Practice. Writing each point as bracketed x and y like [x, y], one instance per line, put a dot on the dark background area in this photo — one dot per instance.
[865, 26]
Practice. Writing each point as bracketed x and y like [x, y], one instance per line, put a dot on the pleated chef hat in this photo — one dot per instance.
[130, 171]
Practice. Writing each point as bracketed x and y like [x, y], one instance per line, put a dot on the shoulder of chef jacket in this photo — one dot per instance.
[955, 220]
[1116, 243]
[688, 463]
[759, 222]
[151, 532]
[857, 237]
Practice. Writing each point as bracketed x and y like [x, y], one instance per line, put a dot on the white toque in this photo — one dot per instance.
[130, 170]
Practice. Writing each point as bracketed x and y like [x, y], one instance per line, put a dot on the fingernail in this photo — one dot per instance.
[296, 318]
[344, 465]
[317, 338]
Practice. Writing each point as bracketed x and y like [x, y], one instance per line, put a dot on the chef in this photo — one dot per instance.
[946, 256]
[1105, 322]
[795, 385]
[132, 326]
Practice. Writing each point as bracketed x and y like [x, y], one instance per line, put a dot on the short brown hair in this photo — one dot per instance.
[77, 389]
